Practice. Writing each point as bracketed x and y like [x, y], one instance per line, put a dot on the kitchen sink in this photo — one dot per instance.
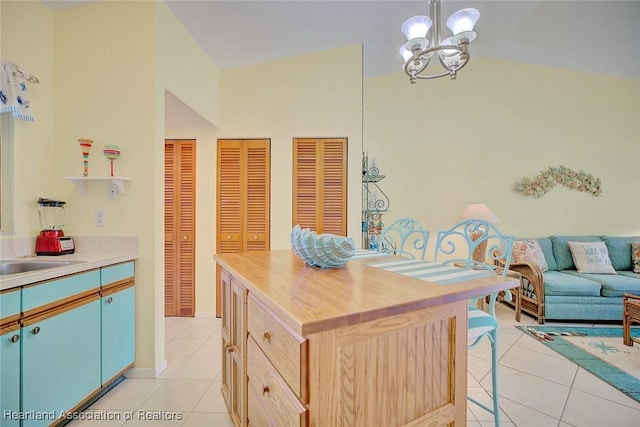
[14, 267]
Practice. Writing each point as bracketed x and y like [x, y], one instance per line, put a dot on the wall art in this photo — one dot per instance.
[548, 178]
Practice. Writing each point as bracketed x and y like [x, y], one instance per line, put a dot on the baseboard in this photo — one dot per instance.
[205, 314]
[147, 373]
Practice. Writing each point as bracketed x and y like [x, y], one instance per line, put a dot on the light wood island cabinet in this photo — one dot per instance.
[354, 346]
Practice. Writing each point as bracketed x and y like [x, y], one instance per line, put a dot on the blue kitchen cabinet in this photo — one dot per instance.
[60, 346]
[9, 358]
[118, 320]
[118, 333]
[60, 361]
[10, 376]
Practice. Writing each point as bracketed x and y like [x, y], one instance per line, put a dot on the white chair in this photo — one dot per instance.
[458, 244]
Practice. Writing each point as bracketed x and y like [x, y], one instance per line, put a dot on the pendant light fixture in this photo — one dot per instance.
[452, 53]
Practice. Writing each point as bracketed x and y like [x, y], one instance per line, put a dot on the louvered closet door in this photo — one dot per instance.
[243, 198]
[258, 186]
[180, 208]
[320, 184]
[229, 194]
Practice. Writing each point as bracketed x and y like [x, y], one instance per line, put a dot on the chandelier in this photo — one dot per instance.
[452, 52]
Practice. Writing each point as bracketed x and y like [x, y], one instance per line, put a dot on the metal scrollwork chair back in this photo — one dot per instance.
[404, 237]
[479, 245]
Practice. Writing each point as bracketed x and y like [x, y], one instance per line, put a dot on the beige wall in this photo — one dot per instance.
[108, 86]
[444, 144]
[34, 150]
[317, 95]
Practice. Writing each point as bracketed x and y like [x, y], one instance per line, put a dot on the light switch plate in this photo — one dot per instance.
[100, 218]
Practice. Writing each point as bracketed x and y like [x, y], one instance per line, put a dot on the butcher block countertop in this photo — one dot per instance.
[311, 299]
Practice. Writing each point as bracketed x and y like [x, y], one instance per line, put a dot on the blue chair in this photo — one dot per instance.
[477, 244]
[404, 237]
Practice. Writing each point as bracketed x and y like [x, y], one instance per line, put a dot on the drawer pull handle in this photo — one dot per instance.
[15, 338]
[228, 236]
[109, 300]
[265, 389]
[36, 330]
[229, 348]
[255, 237]
[266, 336]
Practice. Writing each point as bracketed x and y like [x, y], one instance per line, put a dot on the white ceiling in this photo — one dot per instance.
[600, 36]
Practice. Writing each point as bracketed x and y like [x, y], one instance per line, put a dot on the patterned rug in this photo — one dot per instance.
[598, 350]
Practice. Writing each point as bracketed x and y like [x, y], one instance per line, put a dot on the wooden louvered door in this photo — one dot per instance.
[179, 226]
[243, 198]
[320, 184]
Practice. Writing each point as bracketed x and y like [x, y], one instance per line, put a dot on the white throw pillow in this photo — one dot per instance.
[591, 257]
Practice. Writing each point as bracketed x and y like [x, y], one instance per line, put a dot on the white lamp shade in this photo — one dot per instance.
[406, 54]
[416, 27]
[479, 211]
[463, 20]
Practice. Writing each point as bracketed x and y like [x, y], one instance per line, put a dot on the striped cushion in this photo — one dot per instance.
[480, 323]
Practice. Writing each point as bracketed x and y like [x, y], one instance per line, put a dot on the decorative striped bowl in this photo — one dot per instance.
[324, 250]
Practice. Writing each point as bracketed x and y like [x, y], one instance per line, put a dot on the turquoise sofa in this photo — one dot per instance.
[561, 293]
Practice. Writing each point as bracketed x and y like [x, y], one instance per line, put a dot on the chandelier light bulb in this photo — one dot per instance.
[448, 52]
[416, 27]
[463, 20]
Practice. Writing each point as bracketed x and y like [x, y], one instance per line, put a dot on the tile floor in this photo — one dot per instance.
[539, 388]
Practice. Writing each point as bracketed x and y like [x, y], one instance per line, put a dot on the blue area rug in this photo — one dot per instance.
[597, 350]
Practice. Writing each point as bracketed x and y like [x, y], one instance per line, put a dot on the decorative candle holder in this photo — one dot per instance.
[85, 145]
[111, 152]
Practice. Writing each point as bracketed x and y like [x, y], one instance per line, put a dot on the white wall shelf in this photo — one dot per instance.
[81, 181]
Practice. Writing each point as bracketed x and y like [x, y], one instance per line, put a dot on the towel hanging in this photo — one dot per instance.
[13, 91]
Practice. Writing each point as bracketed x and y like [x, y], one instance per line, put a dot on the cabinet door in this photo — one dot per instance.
[118, 332]
[10, 376]
[234, 338]
[60, 360]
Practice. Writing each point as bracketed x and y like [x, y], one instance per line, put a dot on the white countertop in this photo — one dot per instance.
[90, 252]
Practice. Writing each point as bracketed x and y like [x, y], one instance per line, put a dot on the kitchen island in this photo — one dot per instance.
[356, 345]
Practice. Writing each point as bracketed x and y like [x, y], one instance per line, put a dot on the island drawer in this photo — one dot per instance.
[272, 398]
[286, 350]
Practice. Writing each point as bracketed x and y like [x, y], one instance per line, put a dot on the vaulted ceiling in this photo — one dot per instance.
[601, 36]
[597, 36]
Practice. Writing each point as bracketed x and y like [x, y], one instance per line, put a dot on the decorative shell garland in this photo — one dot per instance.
[548, 178]
[325, 250]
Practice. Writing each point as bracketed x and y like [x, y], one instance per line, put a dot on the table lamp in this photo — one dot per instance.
[479, 211]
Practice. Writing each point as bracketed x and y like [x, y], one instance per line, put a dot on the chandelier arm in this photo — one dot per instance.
[415, 73]
[459, 67]
[433, 76]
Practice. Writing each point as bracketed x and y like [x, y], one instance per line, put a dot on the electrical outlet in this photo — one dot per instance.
[113, 191]
[100, 218]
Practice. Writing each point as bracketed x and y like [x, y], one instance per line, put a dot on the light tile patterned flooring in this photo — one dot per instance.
[538, 388]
